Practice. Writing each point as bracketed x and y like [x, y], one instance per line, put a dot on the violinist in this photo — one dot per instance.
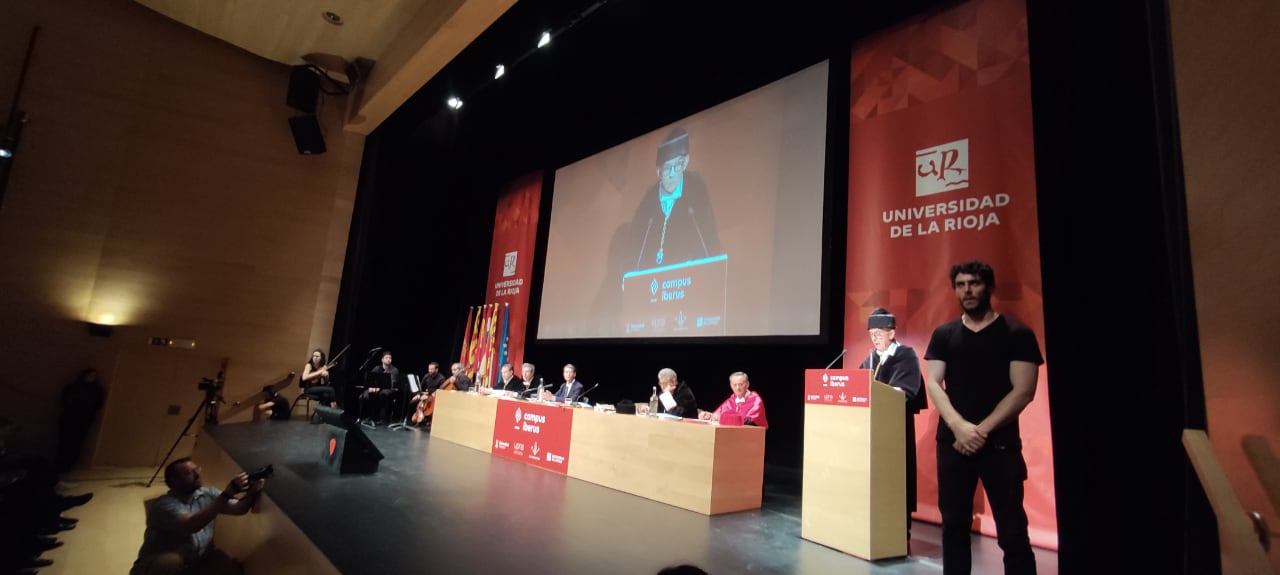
[460, 380]
[315, 379]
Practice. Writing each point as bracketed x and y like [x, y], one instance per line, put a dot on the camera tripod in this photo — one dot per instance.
[207, 407]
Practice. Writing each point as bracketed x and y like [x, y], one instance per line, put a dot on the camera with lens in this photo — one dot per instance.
[264, 472]
[207, 384]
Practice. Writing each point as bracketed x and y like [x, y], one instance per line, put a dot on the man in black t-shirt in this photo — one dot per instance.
[989, 363]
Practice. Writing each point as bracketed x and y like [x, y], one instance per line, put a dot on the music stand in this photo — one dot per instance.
[404, 407]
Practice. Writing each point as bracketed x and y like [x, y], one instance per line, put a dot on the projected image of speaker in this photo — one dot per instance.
[307, 135]
[346, 448]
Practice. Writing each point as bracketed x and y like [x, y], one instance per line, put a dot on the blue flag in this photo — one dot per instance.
[502, 350]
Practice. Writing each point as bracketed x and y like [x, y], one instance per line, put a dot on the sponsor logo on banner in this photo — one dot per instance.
[509, 264]
[847, 387]
[535, 434]
[943, 168]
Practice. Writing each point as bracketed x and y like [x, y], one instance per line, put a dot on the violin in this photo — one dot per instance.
[427, 406]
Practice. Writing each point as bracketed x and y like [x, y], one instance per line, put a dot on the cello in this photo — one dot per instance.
[427, 406]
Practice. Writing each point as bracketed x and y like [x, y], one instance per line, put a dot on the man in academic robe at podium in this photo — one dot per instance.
[898, 366]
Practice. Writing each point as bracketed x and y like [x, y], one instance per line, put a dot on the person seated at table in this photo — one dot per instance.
[528, 377]
[508, 380]
[686, 405]
[742, 401]
[569, 390]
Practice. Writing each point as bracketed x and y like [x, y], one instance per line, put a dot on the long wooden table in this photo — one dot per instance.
[710, 469]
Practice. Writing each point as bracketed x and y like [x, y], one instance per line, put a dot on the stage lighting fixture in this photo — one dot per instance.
[499, 71]
[5, 153]
[454, 102]
[545, 39]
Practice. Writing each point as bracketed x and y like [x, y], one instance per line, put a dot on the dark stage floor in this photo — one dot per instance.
[434, 506]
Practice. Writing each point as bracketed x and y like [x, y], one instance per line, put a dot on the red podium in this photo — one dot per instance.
[854, 489]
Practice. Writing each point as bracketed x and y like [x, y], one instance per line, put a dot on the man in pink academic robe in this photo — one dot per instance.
[743, 402]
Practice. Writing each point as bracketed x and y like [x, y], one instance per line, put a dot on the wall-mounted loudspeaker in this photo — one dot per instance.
[306, 134]
[304, 89]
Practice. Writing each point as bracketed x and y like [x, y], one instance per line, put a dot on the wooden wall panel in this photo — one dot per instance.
[1227, 78]
[157, 181]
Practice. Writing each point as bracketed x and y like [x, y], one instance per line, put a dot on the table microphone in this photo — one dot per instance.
[582, 396]
[833, 362]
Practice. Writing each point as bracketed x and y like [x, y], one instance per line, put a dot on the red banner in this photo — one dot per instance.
[534, 433]
[515, 231]
[849, 387]
[941, 170]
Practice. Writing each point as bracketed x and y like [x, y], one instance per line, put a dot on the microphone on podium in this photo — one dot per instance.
[643, 242]
[698, 228]
[833, 362]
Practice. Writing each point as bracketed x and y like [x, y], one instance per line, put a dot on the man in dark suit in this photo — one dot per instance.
[898, 366]
[376, 399]
[569, 390]
[529, 376]
[509, 380]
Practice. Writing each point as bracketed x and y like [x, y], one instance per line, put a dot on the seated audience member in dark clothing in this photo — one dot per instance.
[30, 507]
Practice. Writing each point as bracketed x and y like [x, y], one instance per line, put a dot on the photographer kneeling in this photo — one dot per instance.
[179, 532]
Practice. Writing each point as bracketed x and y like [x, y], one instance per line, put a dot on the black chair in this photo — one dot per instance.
[306, 399]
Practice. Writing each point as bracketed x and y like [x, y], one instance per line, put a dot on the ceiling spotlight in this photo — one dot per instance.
[499, 71]
[545, 39]
[6, 153]
[454, 102]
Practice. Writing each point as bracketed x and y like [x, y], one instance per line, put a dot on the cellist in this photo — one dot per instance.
[426, 405]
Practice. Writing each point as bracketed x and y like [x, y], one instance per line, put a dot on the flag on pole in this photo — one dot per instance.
[486, 337]
[466, 337]
[491, 350]
[482, 347]
[506, 330]
[470, 363]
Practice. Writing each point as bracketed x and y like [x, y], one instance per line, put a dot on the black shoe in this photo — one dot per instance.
[53, 529]
[67, 502]
[43, 544]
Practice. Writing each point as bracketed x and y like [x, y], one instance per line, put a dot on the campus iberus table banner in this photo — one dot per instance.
[941, 171]
[515, 231]
[534, 433]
